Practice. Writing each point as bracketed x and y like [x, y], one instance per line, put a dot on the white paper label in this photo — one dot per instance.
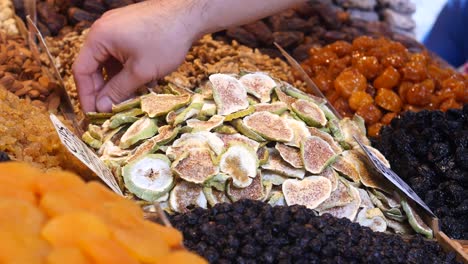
[80, 150]
[393, 177]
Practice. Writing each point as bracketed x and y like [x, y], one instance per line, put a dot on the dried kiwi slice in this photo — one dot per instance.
[316, 154]
[350, 210]
[141, 129]
[255, 191]
[244, 130]
[300, 131]
[148, 177]
[277, 108]
[372, 218]
[125, 105]
[185, 195]
[345, 165]
[277, 164]
[236, 139]
[309, 112]
[327, 137]
[290, 154]
[259, 85]
[273, 177]
[310, 192]
[229, 94]
[212, 123]
[415, 221]
[269, 126]
[161, 104]
[195, 165]
[240, 162]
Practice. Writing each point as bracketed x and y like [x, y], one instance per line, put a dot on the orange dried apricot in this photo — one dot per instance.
[103, 250]
[180, 257]
[349, 81]
[387, 118]
[341, 48]
[374, 129]
[449, 103]
[369, 66]
[388, 100]
[419, 94]
[359, 99]
[389, 78]
[67, 255]
[370, 112]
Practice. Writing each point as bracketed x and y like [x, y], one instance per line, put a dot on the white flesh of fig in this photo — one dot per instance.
[195, 165]
[277, 164]
[327, 137]
[300, 131]
[345, 164]
[230, 139]
[198, 125]
[332, 175]
[275, 108]
[254, 191]
[310, 113]
[186, 194]
[290, 154]
[269, 126]
[310, 192]
[316, 154]
[373, 220]
[274, 178]
[161, 104]
[259, 85]
[350, 210]
[340, 197]
[240, 162]
[229, 94]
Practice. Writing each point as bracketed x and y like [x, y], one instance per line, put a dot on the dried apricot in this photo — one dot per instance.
[341, 48]
[388, 100]
[67, 255]
[342, 107]
[448, 104]
[359, 99]
[349, 81]
[367, 65]
[181, 257]
[370, 112]
[374, 129]
[389, 78]
[419, 94]
[387, 118]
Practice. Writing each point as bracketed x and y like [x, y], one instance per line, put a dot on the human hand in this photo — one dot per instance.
[136, 44]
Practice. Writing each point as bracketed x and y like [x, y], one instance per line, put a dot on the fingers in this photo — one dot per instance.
[118, 89]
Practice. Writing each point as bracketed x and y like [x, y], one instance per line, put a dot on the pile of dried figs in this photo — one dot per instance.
[246, 137]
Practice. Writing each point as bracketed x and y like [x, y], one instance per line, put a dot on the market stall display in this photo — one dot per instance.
[255, 232]
[379, 78]
[56, 217]
[429, 150]
[7, 18]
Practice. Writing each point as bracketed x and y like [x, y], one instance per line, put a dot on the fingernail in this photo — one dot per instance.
[104, 104]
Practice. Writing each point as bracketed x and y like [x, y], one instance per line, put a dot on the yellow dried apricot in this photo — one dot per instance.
[359, 99]
[388, 100]
[389, 78]
[369, 66]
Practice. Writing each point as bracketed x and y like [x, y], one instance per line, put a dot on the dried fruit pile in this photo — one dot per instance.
[55, 217]
[309, 25]
[7, 17]
[379, 78]
[254, 232]
[246, 137]
[429, 150]
[23, 75]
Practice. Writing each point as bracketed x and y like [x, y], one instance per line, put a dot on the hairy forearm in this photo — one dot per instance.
[214, 15]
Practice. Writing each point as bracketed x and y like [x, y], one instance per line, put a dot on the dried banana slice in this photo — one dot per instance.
[236, 139]
[372, 218]
[269, 126]
[212, 123]
[316, 154]
[300, 131]
[345, 165]
[161, 104]
[259, 85]
[310, 192]
[275, 178]
[278, 165]
[125, 105]
[229, 94]
[415, 221]
[350, 210]
[255, 191]
[240, 162]
[339, 197]
[185, 195]
[195, 165]
[327, 137]
[276, 199]
[291, 155]
[141, 129]
[310, 113]
[277, 108]
[148, 177]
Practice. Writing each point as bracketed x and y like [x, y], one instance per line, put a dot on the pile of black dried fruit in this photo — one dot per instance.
[429, 150]
[255, 232]
[4, 156]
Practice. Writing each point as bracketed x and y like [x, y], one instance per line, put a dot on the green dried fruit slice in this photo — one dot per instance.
[141, 129]
[200, 139]
[205, 89]
[148, 177]
[240, 114]
[125, 105]
[240, 162]
[212, 123]
[217, 182]
[345, 165]
[350, 210]
[196, 165]
[415, 221]
[166, 134]
[298, 94]
[290, 154]
[185, 195]
[263, 155]
[214, 196]
[108, 149]
[174, 89]
[96, 116]
[351, 129]
[125, 117]
[339, 197]
[300, 131]
[332, 175]
[366, 201]
[337, 133]
[328, 113]
[275, 178]
[316, 154]
[277, 108]
[288, 100]
[277, 199]
[226, 129]
[259, 85]
[277, 164]
[161, 104]
[389, 201]
[96, 132]
[92, 142]
[147, 147]
[255, 191]
[244, 130]
[269, 126]
[192, 110]
[310, 192]
[400, 228]
[372, 218]
[327, 137]
[229, 94]
[309, 112]
[370, 178]
[238, 139]
[208, 108]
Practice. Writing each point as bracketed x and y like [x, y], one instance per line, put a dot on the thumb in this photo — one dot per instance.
[117, 89]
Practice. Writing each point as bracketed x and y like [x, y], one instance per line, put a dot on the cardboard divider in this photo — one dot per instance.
[452, 245]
